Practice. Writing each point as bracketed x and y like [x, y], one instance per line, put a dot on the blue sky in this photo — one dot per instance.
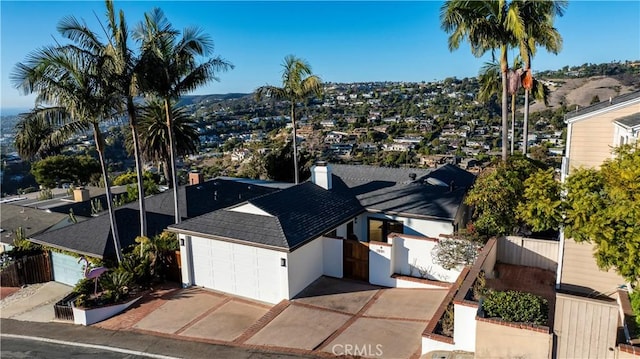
[343, 41]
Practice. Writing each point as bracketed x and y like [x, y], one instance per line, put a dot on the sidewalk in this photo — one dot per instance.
[134, 341]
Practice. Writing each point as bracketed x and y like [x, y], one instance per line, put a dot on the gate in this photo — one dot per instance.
[27, 270]
[356, 259]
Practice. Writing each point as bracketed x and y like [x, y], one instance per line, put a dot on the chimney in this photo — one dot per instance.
[81, 194]
[321, 174]
[195, 178]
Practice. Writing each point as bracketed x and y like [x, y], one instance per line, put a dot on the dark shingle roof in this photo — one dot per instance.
[354, 175]
[306, 211]
[237, 225]
[410, 197]
[629, 121]
[32, 221]
[93, 236]
[299, 214]
[604, 104]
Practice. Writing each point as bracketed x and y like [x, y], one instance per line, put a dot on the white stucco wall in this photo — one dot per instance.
[332, 261]
[305, 264]
[380, 265]
[410, 255]
[429, 345]
[464, 333]
[186, 269]
[416, 227]
[249, 208]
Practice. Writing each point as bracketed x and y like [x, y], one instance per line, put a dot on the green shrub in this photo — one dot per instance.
[514, 306]
[85, 286]
[635, 305]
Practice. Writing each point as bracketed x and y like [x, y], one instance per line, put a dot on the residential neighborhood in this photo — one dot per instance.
[161, 200]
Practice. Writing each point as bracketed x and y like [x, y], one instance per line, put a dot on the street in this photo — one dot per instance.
[16, 348]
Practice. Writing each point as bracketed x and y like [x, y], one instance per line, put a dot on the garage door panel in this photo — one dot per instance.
[66, 268]
[236, 269]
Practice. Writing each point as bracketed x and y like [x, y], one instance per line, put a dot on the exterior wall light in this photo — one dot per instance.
[182, 242]
[283, 262]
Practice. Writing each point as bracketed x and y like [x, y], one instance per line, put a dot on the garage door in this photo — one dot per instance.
[66, 268]
[237, 269]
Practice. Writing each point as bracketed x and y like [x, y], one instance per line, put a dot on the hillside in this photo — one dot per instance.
[581, 91]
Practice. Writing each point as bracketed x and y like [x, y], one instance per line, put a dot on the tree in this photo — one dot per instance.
[486, 25]
[603, 207]
[54, 170]
[496, 195]
[169, 69]
[154, 135]
[541, 207]
[278, 168]
[121, 74]
[538, 17]
[71, 81]
[298, 84]
[36, 137]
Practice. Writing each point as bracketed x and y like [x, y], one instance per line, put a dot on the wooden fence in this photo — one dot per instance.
[62, 309]
[530, 252]
[27, 270]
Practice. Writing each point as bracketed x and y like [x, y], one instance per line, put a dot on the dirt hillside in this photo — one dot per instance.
[581, 91]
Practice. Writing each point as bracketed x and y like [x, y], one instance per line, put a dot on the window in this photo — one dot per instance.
[379, 229]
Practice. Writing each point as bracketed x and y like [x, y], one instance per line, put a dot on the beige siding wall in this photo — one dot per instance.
[581, 274]
[585, 328]
[592, 138]
[500, 341]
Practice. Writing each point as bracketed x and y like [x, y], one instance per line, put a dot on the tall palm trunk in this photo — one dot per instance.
[528, 85]
[172, 150]
[136, 154]
[513, 120]
[295, 141]
[112, 216]
[504, 67]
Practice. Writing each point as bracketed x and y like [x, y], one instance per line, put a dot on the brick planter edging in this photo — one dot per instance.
[629, 349]
[527, 326]
[429, 330]
[421, 280]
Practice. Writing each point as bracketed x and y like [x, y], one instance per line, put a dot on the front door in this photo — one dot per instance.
[356, 259]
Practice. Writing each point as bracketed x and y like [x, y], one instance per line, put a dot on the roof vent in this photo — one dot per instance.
[412, 176]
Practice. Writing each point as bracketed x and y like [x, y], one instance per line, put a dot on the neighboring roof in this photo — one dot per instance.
[93, 236]
[33, 221]
[630, 121]
[299, 214]
[220, 193]
[353, 175]
[392, 190]
[632, 96]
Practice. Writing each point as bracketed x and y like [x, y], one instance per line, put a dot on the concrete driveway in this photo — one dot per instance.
[34, 303]
[332, 316]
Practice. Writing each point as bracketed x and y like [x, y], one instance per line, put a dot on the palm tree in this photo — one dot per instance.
[298, 84]
[36, 137]
[489, 79]
[154, 137]
[487, 26]
[71, 82]
[121, 75]
[538, 17]
[168, 69]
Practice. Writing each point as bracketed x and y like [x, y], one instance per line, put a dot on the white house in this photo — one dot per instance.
[270, 248]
